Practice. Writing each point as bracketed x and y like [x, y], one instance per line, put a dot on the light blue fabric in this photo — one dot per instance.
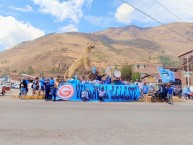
[52, 82]
[42, 82]
[115, 93]
[166, 75]
[145, 89]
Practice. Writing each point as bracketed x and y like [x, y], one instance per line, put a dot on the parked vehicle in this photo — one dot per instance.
[158, 97]
[191, 92]
[7, 86]
[153, 87]
[15, 86]
[2, 89]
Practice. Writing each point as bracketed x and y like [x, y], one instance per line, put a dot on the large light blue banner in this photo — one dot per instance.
[166, 75]
[115, 93]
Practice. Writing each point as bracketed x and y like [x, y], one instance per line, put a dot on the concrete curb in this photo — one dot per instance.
[29, 97]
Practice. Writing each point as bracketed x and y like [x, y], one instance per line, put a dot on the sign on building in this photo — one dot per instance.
[187, 74]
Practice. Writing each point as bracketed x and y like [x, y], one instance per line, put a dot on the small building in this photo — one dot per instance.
[149, 72]
[186, 64]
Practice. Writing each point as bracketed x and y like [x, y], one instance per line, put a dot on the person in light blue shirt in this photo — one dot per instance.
[145, 91]
[52, 82]
[42, 81]
[185, 92]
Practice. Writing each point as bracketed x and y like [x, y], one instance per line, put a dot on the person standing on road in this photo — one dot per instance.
[185, 93]
[141, 90]
[56, 85]
[22, 89]
[52, 89]
[35, 87]
[42, 81]
[47, 89]
[170, 94]
[27, 82]
[145, 91]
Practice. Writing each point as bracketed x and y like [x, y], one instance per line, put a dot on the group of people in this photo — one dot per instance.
[165, 92]
[101, 92]
[47, 87]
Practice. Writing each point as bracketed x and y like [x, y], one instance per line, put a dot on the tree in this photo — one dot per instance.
[30, 70]
[41, 74]
[14, 71]
[126, 72]
[167, 61]
[7, 70]
[136, 76]
[54, 70]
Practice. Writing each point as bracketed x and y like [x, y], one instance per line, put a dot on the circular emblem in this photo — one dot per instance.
[65, 92]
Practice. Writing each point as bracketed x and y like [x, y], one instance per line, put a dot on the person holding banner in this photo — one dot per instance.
[145, 91]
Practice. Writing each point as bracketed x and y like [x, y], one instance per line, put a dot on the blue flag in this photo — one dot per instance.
[166, 75]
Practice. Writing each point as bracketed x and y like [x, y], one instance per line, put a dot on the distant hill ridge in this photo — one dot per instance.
[129, 44]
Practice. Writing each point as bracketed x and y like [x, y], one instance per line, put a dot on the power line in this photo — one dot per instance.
[151, 7]
[157, 21]
[168, 10]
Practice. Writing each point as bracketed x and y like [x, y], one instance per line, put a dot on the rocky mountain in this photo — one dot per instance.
[114, 46]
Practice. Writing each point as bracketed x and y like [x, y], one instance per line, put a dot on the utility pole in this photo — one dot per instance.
[188, 71]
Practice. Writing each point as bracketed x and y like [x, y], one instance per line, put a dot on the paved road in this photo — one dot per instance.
[69, 123]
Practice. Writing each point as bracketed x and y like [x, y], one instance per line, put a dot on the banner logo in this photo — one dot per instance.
[65, 92]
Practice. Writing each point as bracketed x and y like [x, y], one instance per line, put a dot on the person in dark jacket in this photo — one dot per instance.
[35, 87]
[23, 90]
[47, 89]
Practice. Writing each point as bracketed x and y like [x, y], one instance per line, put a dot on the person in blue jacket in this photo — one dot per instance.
[170, 94]
[52, 88]
[42, 81]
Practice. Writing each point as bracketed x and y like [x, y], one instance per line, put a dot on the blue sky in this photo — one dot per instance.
[22, 20]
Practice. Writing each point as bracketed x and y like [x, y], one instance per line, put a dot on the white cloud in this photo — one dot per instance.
[13, 31]
[25, 9]
[69, 28]
[123, 14]
[181, 8]
[71, 9]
